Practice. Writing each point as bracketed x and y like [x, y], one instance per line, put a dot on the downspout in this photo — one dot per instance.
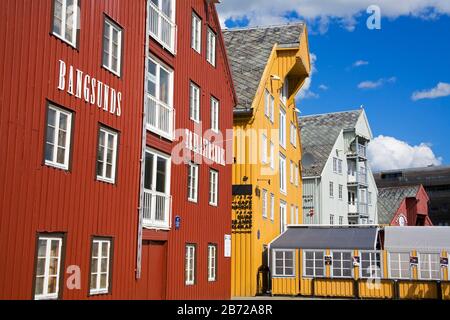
[144, 144]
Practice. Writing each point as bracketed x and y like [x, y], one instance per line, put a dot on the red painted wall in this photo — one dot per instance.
[201, 223]
[37, 198]
[411, 208]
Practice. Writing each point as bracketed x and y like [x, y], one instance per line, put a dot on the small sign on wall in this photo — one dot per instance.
[413, 261]
[227, 249]
[444, 262]
[328, 260]
[356, 261]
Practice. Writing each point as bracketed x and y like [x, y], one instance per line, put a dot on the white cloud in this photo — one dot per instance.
[305, 91]
[323, 87]
[321, 12]
[360, 63]
[376, 84]
[388, 153]
[441, 90]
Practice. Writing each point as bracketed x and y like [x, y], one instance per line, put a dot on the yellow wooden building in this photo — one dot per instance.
[269, 66]
[363, 262]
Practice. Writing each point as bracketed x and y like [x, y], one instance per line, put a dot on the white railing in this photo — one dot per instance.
[162, 28]
[362, 150]
[157, 209]
[363, 208]
[160, 118]
[357, 178]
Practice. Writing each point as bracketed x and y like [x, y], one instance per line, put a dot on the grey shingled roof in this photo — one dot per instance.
[390, 199]
[319, 134]
[248, 52]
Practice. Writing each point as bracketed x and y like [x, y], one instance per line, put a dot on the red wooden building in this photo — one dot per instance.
[186, 207]
[403, 206]
[71, 96]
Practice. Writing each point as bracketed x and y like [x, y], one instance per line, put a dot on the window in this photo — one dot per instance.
[100, 266]
[214, 115]
[331, 189]
[429, 266]
[190, 264]
[296, 215]
[192, 182]
[313, 264]
[292, 172]
[339, 166]
[264, 148]
[282, 130]
[269, 105]
[272, 155]
[107, 155]
[157, 198]
[341, 193]
[65, 20]
[159, 112]
[162, 25]
[213, 187]
[196, 37]
[296, 175]
[293, 133]
[369, 199]
[58, 135]
[331, 219]
[194, 103]
[399, 267]
[48, 267]
[212, 262]
[211, 47]
[335, 165]
[342, 264]
[284, 265]
[264, 203]
[351, 198]
[283, 217]
[112, 47]
[370, 265]
[272, 206]
[341, 221]
[283, 173]
[284, 92]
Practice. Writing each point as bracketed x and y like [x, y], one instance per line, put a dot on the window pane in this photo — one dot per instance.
[161, 175]
[40, 267]
[52, 283]
[148, 178]
[39, 286]
[164, 86]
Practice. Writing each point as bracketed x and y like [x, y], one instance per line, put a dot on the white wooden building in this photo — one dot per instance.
[338, 184]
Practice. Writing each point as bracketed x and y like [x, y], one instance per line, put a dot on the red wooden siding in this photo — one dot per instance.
[37, 198]
[201, 224]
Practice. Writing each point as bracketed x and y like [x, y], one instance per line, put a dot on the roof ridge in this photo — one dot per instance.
[264, 27]
[330, 113]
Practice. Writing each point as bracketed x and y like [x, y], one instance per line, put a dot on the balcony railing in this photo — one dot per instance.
[162, 28]
[160, 118]
[358, 209]
[157, 210]
[361, 149]
[357, 178]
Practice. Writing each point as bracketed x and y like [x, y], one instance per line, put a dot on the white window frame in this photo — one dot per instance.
[109, 27]
[296, 175]
[283, 216]
[292, 214]
[213, 187]
[46, 295]
[272, 207]
[267, 103]
[425, 257]
[99, 256]
[212, 262]
[283, 171]
[211, 47]
[335, 161]
[341, 220]
[332, 219]
[264, 203]
[190, 264]
[331, 189]
[371, 260]
[296, 215]
[342, 269]
[315, 273]
[341, 192]
[282, 128]
[272, 155]
[194, 102]
[293, 134]
[401, 272]
[75, 19]
[369, 198]
[215, 111]
[56, 143]
[102, 176]
[263, 148]
[284, 92]
[193, 175]
[196, 33]
[340, 164]
[292, 173]
[284, 274]
[164, 22]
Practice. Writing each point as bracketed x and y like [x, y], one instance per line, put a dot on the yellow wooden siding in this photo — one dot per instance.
[287, 286]
[371, 290]
[446, 290]
[417, 290]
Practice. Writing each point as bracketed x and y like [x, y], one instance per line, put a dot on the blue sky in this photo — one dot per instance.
[409, 54]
